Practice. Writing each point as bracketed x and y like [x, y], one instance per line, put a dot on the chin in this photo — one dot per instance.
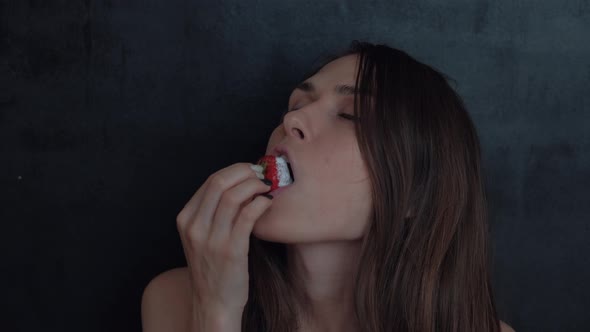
[274, 227]
[281, 232]
[270, 227]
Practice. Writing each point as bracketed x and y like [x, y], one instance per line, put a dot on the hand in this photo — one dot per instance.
[215, 227]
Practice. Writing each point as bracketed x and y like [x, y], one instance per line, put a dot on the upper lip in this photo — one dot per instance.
[281, 150]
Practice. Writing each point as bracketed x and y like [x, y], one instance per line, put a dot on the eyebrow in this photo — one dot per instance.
[340, 89]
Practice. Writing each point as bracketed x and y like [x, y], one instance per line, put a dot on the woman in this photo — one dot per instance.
[384, 228]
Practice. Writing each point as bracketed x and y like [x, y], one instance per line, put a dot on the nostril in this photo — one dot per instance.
[300, 133]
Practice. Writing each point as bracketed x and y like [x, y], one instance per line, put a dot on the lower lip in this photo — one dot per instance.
[280, 190]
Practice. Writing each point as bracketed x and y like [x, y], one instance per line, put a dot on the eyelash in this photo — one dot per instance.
[342, 115]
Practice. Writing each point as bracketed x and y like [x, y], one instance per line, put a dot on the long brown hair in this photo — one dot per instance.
[425, 256]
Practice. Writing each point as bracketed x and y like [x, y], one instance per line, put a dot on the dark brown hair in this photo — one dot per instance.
[426, 271]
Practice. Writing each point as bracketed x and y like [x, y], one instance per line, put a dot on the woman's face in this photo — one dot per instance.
[330, 198]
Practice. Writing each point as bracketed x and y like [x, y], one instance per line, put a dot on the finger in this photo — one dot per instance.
[192, 205]
[240, 234]
[199, 227]
[186, 215]
[229, 207]
[183, 220]
[188, 211]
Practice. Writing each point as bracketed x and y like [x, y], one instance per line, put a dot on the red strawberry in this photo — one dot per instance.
[277, 170]
[269, 164]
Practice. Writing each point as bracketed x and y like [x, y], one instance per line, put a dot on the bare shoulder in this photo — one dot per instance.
[505, 327]
[165, 303]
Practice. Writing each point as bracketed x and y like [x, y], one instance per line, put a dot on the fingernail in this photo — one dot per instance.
[267, 182]
[269, 196]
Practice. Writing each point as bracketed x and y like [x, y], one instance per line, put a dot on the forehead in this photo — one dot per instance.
[337, 77]
[341, 70]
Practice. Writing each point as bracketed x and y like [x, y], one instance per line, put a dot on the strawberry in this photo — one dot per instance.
[276, 169]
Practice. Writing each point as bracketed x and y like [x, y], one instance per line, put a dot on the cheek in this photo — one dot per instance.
[344, 199]
[343, 219]
[347, 171]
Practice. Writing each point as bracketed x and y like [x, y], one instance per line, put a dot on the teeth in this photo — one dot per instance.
[289, 167]
[283, 169]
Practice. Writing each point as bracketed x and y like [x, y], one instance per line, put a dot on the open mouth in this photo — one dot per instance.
[277, 169]
[284, 172]
[290, 171]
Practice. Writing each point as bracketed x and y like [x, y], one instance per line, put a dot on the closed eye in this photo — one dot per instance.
[348, 116]
[342, 115]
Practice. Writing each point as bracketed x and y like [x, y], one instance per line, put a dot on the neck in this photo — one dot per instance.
[324, 276]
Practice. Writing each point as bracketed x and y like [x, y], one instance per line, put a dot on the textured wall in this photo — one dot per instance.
[112, 113]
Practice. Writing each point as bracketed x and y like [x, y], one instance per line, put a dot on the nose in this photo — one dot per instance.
[293, 125]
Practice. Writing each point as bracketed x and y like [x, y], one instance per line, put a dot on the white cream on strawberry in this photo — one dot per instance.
[283, 172]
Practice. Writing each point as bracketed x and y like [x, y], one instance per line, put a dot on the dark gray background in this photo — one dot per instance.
[113, 113]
